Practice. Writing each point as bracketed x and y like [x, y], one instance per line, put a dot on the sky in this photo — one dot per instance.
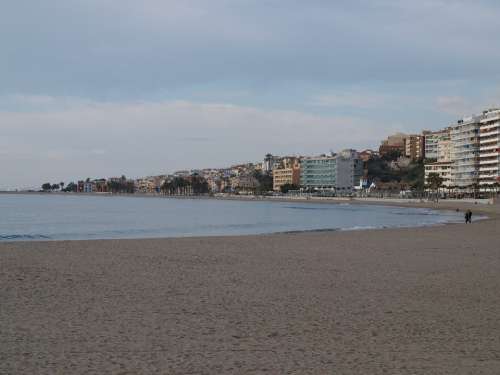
[100, 88]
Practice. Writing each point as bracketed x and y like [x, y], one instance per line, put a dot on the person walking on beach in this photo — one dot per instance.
[468, 216]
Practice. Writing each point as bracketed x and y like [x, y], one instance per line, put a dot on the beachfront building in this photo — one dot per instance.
[318, 173]
[349, 171]
[245, 184]
[469, 160]
[287, 173]
[444, 150]
[145, 185]
[443, 165]
[101, 185]
[414, 147]
[443, 169]
[432, 140]
[89, 187]
[489, 150]
[465, 154]
[218, 184]
[338, 173]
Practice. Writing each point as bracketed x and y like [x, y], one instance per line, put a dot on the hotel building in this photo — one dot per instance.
[339, 173]
[318, 172]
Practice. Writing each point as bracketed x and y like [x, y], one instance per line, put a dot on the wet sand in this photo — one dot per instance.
[394, 301]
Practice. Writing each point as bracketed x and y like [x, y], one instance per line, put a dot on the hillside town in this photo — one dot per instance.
[460, 160]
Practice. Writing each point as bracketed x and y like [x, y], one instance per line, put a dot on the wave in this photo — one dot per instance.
[24, 237]
[307, 208]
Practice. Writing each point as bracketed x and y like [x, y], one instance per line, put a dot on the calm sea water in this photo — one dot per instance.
[56, 217]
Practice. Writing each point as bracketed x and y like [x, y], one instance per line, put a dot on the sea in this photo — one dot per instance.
[79, 217]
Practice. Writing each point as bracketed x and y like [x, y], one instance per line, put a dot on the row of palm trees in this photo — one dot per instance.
[194, 185]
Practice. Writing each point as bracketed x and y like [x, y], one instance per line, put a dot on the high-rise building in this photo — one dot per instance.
[349, 170]
[444, 151]
[431, 142]
[339, 173]
[472, 153]
[465, 153]
[318, 172]
[489, 149]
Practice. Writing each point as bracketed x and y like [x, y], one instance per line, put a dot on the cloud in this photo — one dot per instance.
[460, 106]
[142, 138]
[454, 105]
[352, 100]
[172, 45]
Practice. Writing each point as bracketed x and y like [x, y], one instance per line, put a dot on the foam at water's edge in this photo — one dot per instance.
[24, 237]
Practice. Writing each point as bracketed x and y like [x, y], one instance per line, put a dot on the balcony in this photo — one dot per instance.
[493, 154]
[487, 147]
[489, 133]
[492, 168]
[495, 117]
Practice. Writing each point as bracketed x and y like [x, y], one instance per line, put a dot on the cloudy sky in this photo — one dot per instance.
[96, 88]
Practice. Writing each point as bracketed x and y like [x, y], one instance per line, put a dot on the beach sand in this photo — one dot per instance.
[394, 301]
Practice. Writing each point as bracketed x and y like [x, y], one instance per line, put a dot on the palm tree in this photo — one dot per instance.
[166, 187]
[435, 181]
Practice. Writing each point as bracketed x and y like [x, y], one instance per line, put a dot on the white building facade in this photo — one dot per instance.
[443, 169]
[431, 142]
[465, 153]
[489, 149]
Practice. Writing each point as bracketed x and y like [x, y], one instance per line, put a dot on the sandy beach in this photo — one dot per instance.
[393, 301]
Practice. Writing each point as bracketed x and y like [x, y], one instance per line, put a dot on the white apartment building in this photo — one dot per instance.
[443, 169]
[432, 140]
[465, 153]
[444, 151]
[489, 149]
[440, 150]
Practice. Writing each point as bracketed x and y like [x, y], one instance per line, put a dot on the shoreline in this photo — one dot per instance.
[482, 213]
